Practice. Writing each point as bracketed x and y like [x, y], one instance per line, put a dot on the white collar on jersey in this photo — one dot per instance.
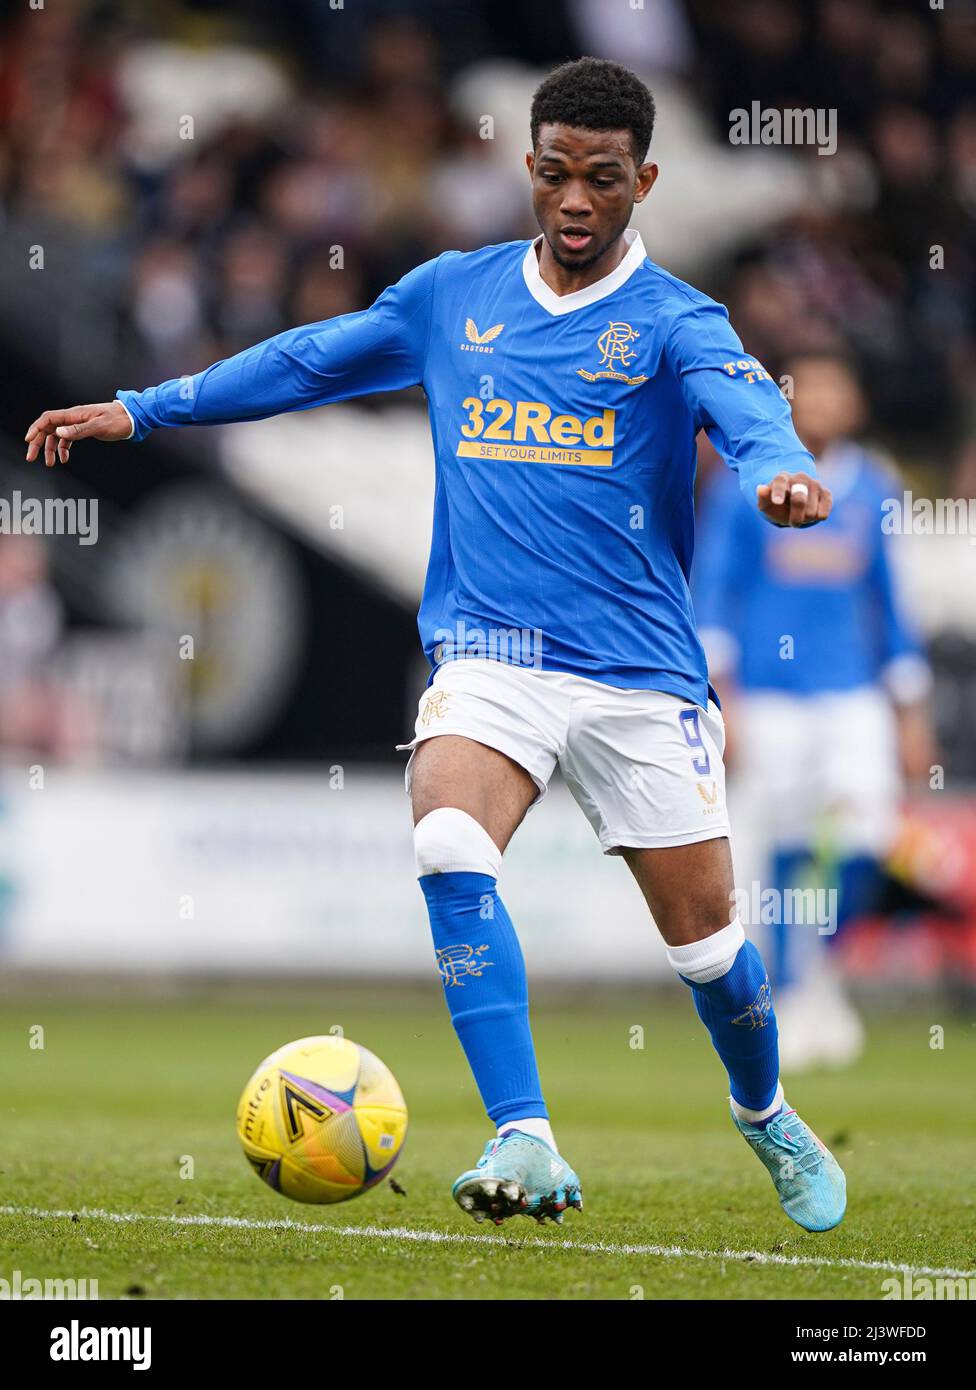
[555, 303]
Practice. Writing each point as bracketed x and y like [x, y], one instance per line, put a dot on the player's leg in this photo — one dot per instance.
[468, 800]
[689, 890]
[861, 794]
[647, 770]
[454, 772]
[800, 793]
[780, 762]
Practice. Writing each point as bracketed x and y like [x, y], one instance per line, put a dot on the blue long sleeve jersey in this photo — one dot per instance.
[829, 590]
[564, 442]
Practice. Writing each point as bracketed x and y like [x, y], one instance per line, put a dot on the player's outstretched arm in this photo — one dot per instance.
[382, 348]
[745, 415]
[794, 499]
[56, 430]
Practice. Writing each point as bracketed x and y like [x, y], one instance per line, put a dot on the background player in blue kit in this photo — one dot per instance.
[823, 728]
[567, 379]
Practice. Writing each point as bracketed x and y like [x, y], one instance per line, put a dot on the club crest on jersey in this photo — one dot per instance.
[478, 342]
[614, 347]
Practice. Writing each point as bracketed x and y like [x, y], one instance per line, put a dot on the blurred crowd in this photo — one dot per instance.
[326, 137]
[886, 263]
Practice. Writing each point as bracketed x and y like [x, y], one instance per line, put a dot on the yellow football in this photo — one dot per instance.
[322, 1120]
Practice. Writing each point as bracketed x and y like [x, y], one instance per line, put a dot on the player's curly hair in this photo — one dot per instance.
[595, 94]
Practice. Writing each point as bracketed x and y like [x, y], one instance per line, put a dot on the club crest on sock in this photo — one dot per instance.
[454, 962]
[757, 1014]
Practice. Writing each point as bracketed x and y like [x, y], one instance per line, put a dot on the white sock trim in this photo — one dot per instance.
[534, 1125]
[753, 1117]
[449, 841]
[711, 957]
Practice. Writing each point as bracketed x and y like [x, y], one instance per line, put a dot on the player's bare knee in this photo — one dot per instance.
[685, 927]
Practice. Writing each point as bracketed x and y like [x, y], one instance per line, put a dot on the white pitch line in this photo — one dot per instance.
[670, 1252]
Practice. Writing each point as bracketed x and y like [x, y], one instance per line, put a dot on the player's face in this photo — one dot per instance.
[827, 402]
[584, 187]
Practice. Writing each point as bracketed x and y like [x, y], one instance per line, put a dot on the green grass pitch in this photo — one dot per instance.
[103, 1117]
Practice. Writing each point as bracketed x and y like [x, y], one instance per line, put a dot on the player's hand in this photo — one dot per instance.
[794, 499]
[56, 430]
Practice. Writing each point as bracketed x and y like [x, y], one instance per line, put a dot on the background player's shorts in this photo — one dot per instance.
[645, 767]
[820, 764]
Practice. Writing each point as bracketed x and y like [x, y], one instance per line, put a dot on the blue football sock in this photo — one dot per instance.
[860, 881]
[481, 965]
[737, 1010]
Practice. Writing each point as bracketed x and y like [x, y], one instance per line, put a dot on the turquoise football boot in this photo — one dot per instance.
[809, 1180]
[518, 1175]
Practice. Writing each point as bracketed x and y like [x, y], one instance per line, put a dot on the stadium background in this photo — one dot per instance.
[199, 176]
[200, 859]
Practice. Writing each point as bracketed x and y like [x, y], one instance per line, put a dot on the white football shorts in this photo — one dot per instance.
[819, 765]
[645, 767]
